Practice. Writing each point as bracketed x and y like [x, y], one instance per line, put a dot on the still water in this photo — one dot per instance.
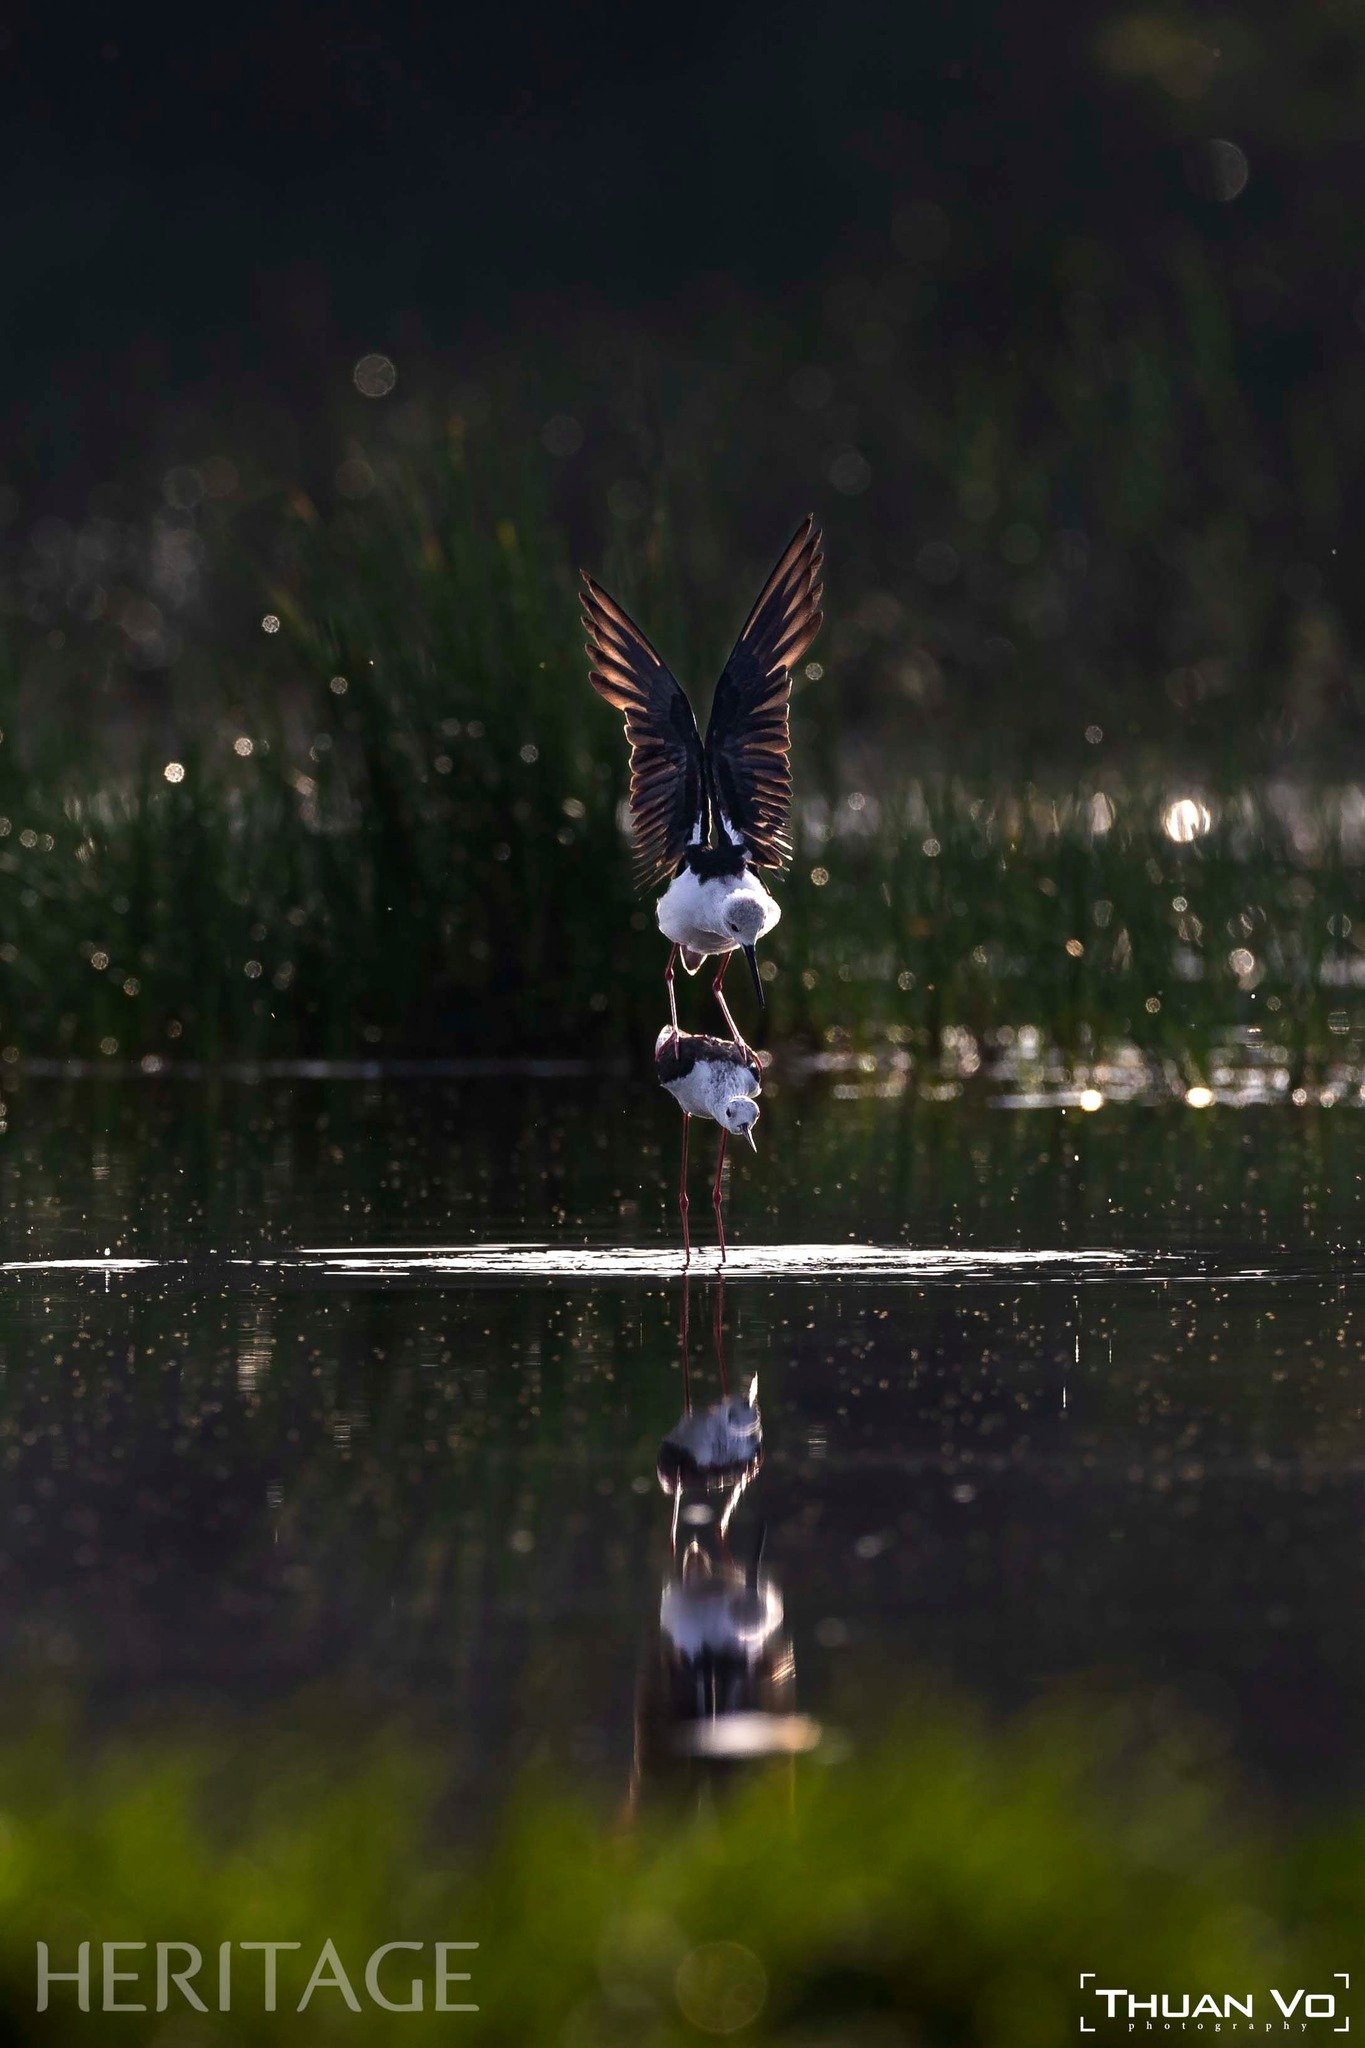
[346, 1397]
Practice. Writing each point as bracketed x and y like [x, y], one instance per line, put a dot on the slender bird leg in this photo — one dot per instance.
[732, 1502]
[682, 1195]
[718, 1332]
[725, 1008]
[686, 1369]
[668, 984]
[715, 1193]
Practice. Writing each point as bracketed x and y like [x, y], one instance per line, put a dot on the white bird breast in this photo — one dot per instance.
[694, 913]
[719, 1616]
[709, 1086]
[726, 1434]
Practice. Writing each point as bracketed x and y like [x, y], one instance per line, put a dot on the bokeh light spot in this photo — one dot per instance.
[1228, 169]
[561, 434]
[1186, 819]
[721, 1986]
[850, 472]
[374, 376]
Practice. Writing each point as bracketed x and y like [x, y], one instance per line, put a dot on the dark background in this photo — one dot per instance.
[218, 204]
[1073, 293]
[206, 205]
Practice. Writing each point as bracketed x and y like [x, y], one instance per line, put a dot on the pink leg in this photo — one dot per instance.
[718, 993]
[686, 1363]
[715, 1194]
[718, 1331]
[682, 1193]
[668, 984]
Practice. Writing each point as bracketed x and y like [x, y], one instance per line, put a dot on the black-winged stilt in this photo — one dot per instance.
[707, 816]
[720, 1688]
[713, 1077]
[714, 1446]
[719, 1446]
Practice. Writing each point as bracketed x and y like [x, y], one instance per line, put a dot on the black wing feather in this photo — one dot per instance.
[677, 1052]
[668, 791]
[748, 738]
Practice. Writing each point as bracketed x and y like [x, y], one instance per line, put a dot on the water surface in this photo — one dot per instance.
[347, 1395]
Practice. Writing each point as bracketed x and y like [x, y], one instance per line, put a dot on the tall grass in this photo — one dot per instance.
[396, 830]
[949, 1889]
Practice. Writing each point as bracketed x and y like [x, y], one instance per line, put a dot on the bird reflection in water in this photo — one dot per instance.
[718, 1688]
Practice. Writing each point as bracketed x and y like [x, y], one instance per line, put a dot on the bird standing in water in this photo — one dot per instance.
[712, 1077]
[707, 816]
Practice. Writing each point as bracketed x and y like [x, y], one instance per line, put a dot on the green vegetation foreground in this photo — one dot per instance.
[948, 1890]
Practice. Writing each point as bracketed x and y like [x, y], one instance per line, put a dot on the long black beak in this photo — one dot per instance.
[753, 1141]
[752, 958]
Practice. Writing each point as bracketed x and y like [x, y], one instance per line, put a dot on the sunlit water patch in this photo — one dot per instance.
[615, 1264]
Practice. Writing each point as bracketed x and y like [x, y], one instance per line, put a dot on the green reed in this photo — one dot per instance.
[394, 829]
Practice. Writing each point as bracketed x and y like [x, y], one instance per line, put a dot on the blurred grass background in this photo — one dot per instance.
[393, 825]
[948, 1888]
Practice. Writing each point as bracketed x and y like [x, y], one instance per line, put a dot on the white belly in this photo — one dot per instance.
[725, 1618]
[693, 913]
[709, 1086]
[726, 1434]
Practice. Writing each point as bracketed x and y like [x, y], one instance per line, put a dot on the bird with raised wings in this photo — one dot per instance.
[708, 815]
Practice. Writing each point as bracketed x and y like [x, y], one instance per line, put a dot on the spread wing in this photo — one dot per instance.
[668, 795]
[748, 738]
